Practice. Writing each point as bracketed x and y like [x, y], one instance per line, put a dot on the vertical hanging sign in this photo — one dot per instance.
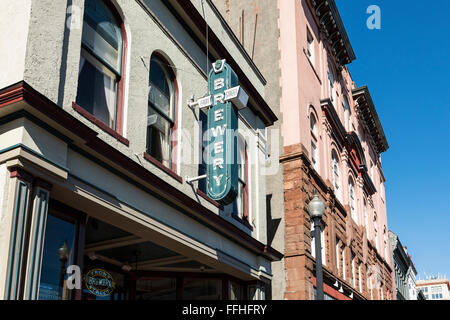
[221, 143]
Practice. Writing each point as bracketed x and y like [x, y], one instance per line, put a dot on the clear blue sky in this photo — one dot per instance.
[406, 67]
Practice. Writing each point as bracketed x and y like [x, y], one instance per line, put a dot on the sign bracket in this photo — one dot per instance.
[190, 180]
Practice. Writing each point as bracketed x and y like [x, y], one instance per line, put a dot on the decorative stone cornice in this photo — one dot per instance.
[368, 114]
[330, 23]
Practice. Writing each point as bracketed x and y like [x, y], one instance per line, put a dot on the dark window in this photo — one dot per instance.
[59, 233]
[100, 70]
[202, 289]
[160, 121]
[240, 205]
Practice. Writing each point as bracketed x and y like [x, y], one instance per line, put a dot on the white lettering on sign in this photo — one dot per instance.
[218, 178]
[219, 98]
[218, 115]
[218, 147]
[219, 84]
[218, 129]
[217, 163]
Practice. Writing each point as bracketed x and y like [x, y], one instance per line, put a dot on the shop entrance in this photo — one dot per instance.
[117, 265]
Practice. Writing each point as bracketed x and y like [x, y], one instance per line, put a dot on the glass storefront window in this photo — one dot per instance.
[57, 233]
[237, 291]
[156, 289]
[202, 289]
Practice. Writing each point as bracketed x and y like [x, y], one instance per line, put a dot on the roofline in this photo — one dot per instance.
[341, 27]
[364, 90]
[423, 283]
[336, 27]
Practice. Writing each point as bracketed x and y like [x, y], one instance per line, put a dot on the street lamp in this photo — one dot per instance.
[316, 208]
[63, 256]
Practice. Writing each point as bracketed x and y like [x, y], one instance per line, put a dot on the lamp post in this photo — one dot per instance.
[63, 256]
[316, 208]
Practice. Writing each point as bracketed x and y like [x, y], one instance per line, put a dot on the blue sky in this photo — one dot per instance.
[406, 65]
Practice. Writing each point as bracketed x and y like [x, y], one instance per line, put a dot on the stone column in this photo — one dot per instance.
[41, 195]
[22, 235]
[13, 237]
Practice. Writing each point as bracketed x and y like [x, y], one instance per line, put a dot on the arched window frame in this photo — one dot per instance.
[166, 162]
[314, 141]
[336, 174]
[347, 114]
[352, 198]
[115, 129]
[331, 85]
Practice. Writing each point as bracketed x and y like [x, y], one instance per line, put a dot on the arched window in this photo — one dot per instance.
[314, 137]
[313, 124]
[336, 175]
[375, 230]
[331, 91]
[100, 77]
[161, 111]
[352, 199]
[347, 114]
[366, 218]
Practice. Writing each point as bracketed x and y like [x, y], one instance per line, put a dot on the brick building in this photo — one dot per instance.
[333, 141]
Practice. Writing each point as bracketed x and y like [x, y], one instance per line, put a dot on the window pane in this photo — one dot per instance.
[102, 33]
[158, 134]
[57, 232]
[237, 291]
[160, 88]
[312, 123]
[156, 289]
[96, 90]
[202, 289]
[241, 199]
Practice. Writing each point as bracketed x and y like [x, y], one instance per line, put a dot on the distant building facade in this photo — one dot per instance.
[332, 142]
[435, 288]
[404, 270]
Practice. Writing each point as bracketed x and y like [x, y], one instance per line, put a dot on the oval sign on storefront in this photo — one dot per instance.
[99, 282]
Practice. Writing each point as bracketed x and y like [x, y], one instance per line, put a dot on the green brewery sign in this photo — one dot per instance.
[225, 97]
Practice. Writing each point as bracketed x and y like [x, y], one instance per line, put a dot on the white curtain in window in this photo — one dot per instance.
[82, 61]
[110, 95]
[164, 148]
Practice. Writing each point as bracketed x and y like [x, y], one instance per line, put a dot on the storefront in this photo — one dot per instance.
[136, 269]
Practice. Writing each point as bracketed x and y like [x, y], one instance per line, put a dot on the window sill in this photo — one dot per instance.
[100, 124]
[149, 158]
[205, 196]
[243, 221]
